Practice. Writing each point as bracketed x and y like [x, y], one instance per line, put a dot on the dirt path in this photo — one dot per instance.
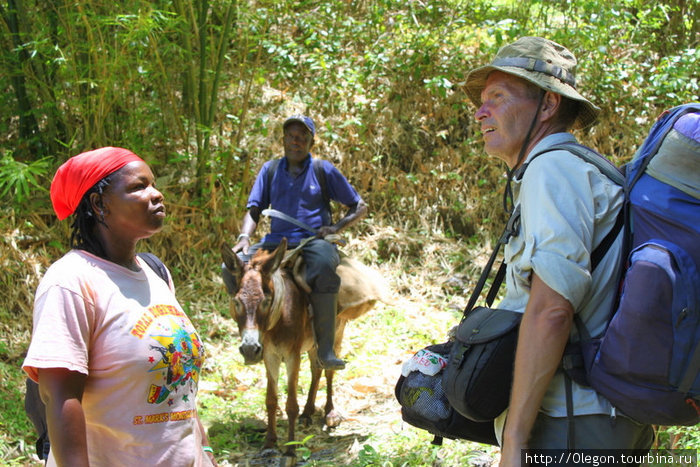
[372, 430]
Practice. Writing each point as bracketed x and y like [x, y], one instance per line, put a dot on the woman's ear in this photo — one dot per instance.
[97, 205]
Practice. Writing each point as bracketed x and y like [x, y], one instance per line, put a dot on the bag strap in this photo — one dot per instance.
[321, 177]
[513, 225]
[512, 228]
[587, 154]
[271, 169]
[570, 421]
[156, 264]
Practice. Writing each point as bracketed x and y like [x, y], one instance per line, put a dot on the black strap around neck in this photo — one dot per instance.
[512, 228]
[513, 225]
[508, 192]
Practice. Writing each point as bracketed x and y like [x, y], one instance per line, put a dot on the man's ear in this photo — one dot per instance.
[550, 105]
[312, 142]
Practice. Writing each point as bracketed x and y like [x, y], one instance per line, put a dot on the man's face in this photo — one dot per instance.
[505, 115]
[297, 142]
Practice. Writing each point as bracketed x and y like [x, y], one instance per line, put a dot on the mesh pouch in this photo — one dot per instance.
[422, 396]
[425, 406]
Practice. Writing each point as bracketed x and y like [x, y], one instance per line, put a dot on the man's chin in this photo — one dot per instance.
[300, 153]
[510, 160]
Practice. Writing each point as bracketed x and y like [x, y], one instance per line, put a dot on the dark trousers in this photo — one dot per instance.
[591, 432]
[321, 259]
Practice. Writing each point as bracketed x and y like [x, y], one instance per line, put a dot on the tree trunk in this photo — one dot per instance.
[28, 126]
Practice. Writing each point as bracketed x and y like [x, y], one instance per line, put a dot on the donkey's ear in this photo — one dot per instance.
[233, 263]
[231, 270]
[273, 263]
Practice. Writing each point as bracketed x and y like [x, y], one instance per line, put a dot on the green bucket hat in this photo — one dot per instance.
[542, 62]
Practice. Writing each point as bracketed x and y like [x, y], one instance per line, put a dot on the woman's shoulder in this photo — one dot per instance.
[75, 259]
[71, 269]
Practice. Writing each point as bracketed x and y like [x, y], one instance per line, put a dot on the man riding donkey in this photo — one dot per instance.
[298, 188]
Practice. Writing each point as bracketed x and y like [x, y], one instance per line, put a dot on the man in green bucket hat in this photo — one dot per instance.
[528, 104]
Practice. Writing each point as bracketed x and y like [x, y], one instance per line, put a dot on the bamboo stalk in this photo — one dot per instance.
[241, 120]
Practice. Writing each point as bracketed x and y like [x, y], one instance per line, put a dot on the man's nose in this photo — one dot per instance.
[481, 113]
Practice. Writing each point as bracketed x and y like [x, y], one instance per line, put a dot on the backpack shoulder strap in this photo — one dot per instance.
[511, 228]
[271, 169]
[321, 177]
[587, 154]
[156, 264]
[608, 169]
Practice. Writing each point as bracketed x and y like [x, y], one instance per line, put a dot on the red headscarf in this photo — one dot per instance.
[80, 173]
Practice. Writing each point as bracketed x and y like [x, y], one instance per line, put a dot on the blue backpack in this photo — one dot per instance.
[647, 362]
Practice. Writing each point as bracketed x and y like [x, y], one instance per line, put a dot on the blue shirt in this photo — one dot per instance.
[299, 197]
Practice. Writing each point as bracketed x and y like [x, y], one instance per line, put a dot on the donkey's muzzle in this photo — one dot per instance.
[251, 348]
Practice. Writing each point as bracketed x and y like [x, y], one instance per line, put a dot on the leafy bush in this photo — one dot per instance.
[19, 179]
[203, 104]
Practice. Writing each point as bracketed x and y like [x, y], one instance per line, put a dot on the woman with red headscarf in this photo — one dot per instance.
[116, 358]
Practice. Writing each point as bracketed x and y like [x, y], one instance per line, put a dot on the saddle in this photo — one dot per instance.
[359, 284]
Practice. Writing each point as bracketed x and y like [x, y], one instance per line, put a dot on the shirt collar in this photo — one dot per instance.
[550, 140]
[305, 164]
[546, 142]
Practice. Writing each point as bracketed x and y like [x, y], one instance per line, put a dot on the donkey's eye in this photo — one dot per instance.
[266, 302]
[238, 307]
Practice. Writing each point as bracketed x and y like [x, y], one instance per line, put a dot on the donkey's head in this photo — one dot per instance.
[252, 305]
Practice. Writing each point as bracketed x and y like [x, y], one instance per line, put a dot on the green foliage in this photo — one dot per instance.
[199, 88]
[18, 179]
[105, 75]
[676, 75]
[687, 437]
[301, 449]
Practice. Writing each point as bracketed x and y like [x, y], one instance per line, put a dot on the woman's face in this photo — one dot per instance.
[132, 207]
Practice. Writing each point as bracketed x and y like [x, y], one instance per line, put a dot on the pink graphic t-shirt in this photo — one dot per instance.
[126, 331]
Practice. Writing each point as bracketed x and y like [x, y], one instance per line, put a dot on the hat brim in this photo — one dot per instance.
[291, 120]
[476, 82]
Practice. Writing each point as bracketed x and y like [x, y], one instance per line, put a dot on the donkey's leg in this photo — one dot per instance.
[272, 367]
[310, 407]
[333, 417]
[292, 408]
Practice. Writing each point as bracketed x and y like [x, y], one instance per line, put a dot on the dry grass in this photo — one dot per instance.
[435, 204]
[418, 266]
[421, 311]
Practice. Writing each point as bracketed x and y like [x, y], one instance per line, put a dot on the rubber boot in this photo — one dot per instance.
[324, 307]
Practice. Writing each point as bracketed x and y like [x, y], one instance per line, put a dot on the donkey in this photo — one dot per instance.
[271, 311]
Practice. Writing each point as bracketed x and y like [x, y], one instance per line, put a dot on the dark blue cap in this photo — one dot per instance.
[303, 119]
